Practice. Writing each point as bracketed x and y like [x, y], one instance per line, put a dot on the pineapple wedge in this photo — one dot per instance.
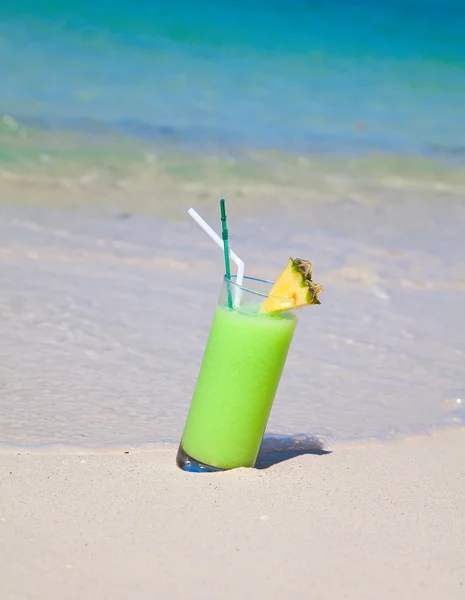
[293, 288]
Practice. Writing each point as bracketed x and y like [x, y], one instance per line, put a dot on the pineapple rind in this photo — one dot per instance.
[303, 270]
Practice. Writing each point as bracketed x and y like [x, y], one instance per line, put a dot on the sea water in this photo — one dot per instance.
[335, 131]
[295, 76]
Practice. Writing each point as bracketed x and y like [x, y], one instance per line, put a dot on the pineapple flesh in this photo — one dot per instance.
[293, 288]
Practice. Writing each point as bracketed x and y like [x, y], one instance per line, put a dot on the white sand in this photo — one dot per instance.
[368, 521]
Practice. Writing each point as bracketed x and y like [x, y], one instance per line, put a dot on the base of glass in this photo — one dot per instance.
[187, 463]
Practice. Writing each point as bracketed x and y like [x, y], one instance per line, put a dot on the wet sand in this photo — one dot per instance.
[367, 520]
[105, 319]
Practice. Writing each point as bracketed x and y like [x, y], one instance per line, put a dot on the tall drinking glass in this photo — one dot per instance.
[238, 379]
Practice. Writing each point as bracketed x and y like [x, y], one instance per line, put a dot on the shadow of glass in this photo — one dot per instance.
[276, 448]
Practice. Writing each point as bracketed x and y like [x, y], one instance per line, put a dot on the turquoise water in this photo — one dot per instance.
[334, 129]
[329, 76]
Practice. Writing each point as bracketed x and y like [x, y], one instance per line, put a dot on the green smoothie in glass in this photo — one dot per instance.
[238, 379]
[243, 361]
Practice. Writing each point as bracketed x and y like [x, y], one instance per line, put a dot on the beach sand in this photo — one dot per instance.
[105, 315]
[366, 520]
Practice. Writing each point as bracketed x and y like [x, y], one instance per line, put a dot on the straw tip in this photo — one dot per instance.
[223, 209]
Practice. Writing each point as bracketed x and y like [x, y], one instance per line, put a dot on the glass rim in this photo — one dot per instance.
[250, 291]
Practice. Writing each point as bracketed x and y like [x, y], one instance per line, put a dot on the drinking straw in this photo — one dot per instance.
[224, 235]
[219, 242]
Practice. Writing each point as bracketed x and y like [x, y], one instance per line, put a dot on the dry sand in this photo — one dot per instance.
[367, 521]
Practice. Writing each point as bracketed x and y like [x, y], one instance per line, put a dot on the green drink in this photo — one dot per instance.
[238, 379]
